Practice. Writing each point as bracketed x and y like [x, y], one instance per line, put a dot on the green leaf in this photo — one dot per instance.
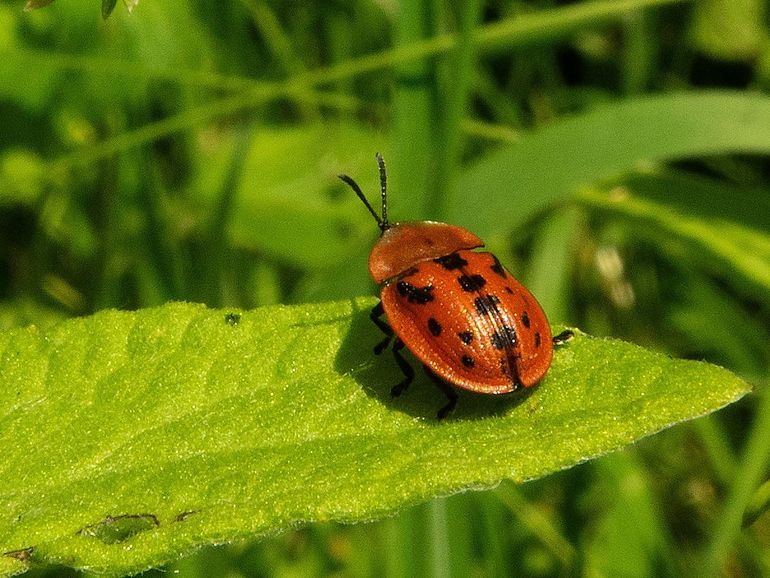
[131, 438]
[508, 187]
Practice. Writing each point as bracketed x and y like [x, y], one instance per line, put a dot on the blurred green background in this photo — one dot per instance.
[189, 151]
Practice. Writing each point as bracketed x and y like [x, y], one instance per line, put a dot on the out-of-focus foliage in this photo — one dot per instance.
[189, 151]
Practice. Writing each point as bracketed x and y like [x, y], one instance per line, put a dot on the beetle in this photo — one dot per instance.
[459, 311]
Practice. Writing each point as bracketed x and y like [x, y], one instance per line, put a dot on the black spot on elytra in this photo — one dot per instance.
[451, 262]
[525, 319]
[498, 268]
[466, 337]
[471, 283]
[505, 339]
[504, 366]
[537, 339]
[468, 361]
[434, 327]
[509, 290]
[486, 304]
[419, 295]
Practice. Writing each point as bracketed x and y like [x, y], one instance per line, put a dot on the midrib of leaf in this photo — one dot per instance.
[280, 419]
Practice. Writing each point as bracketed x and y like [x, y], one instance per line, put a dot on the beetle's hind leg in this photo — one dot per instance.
[405, 368]
[447, 390]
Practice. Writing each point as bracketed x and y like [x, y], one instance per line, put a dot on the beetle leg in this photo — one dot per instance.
[382, 346]
[377, 312]
[447, 390]
[398, 345]
[406, 369]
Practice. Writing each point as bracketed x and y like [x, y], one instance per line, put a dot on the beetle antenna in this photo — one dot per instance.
[384, 188]
[354, 185]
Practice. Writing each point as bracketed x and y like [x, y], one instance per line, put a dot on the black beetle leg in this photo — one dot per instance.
[406, 369]
[376, 313]
[447, 390]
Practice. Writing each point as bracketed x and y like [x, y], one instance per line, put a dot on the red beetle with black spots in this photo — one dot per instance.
[459, 311]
